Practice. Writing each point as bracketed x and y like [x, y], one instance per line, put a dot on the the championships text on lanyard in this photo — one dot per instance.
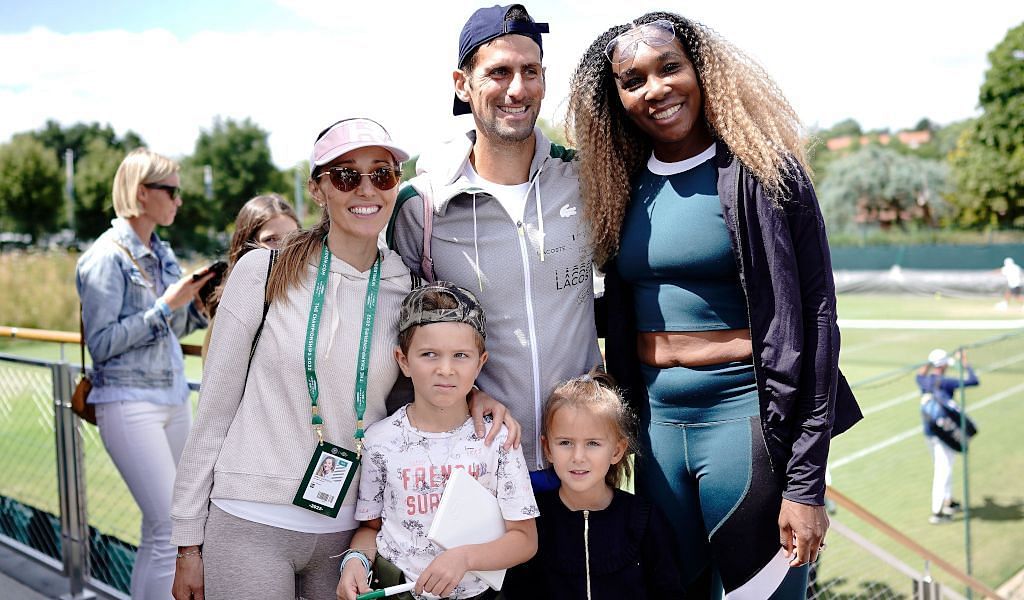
[365, 339]
[332, 468]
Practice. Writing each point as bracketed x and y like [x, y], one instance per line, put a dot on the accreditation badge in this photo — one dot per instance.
[327, 479]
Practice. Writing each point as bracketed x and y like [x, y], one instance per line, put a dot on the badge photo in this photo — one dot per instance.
[327, 480]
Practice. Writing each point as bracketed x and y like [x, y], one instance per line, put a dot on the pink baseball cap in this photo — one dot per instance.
[348, 135]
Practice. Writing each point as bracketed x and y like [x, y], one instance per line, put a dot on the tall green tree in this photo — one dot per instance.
[31, 187]
[988, 163]
[77, 137]
[880, 185]
[82, 139]
[94, 178]
[238, 155]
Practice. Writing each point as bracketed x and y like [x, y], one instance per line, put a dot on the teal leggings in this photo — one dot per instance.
[705, 464]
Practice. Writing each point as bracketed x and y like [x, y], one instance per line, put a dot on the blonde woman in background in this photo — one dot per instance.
[135, 307]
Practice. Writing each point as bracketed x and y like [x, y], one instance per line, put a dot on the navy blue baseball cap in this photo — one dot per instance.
[490, 23]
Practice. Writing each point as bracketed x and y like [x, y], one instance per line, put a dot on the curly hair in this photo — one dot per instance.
[743, 108]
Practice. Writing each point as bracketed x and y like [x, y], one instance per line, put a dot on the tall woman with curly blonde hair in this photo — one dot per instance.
[720, 289]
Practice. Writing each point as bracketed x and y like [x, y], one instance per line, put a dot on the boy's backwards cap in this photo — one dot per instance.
[487, 24]
[467, 309]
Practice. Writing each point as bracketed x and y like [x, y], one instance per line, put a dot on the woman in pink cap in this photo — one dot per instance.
[300, 362]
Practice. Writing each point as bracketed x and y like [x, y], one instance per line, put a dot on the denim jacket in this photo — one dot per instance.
[786, 274]
[131, 343]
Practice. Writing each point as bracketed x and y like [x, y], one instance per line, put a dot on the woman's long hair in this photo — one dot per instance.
[254, 214]
[743, 108]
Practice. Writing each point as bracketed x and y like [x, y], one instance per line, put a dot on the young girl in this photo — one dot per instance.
[595, 541]
[408, 457]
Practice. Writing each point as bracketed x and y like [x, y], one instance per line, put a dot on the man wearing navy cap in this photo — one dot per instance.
[505, 220]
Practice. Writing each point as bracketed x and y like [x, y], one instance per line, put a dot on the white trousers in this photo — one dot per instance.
[145, 441]
[942, 480]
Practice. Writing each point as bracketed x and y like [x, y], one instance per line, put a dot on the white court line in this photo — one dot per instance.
[910, 395]
[891, 403]
[930, 324]
[878, 342]
[917, 430]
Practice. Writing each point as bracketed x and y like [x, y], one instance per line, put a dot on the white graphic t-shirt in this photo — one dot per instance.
[404, 474]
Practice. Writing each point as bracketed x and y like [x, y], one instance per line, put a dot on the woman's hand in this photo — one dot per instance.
[188, 575]
[353, 581]
[802, 528]
[185, 290]
[481, 404]
[444, 573]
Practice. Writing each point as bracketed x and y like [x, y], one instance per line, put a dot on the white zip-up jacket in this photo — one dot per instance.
[533, 273]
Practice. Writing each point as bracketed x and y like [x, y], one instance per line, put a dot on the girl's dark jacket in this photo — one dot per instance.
[786, 273]
[627, 550]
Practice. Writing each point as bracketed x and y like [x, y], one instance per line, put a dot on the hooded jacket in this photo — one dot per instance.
[532, 272]
[785, 271]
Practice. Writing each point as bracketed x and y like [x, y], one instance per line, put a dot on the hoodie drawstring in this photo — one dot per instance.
[540, 212]
[476, 249]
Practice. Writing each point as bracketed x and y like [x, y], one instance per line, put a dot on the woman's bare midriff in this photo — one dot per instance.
[667, 349]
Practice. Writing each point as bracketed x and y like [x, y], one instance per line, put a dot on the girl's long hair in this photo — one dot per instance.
[298, 249]
[254, 214]
[743, 107]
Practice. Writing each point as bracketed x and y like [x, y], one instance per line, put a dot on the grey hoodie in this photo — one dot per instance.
[531, 272]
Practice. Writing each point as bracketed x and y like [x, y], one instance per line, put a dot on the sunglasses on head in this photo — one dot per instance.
[654, 34]
[172, 190]
[345, 179]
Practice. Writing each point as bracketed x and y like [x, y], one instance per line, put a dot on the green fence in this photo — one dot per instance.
[940, 257]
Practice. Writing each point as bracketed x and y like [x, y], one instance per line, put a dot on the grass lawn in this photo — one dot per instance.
[882, 463]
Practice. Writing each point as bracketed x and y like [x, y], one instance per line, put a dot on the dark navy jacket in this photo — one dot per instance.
[627, 550]
[786, 274]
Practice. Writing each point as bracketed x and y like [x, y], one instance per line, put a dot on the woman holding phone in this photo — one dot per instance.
[135, 307]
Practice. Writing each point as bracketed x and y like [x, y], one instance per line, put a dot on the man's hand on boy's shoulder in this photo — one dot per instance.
[481, 404]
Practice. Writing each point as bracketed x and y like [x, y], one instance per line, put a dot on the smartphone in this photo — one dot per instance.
[218, 268]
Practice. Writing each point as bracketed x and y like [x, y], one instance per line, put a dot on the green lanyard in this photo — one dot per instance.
[365, 338]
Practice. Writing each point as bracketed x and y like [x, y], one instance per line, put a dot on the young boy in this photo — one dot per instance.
[408, 457]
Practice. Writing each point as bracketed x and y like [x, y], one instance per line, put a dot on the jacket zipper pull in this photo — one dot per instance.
[586, 546]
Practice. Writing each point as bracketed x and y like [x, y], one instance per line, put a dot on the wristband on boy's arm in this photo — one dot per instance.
[354, 555]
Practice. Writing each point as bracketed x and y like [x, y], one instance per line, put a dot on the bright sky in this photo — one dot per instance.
[167, 69]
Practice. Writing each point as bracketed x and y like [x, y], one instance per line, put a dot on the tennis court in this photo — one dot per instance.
[884, 464]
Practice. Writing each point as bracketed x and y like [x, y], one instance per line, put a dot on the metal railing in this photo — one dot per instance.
[86, 524]
[46, 522]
